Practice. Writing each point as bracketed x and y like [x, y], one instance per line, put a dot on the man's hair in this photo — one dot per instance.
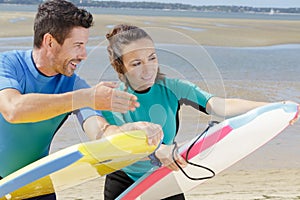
[59, 17]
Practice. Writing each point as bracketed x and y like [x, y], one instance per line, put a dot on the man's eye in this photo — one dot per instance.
[78, 45]
[153, 57]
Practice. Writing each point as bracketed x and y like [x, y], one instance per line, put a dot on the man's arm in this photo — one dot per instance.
[20, 108]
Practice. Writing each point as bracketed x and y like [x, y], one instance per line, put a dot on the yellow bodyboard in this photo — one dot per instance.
[98, 158]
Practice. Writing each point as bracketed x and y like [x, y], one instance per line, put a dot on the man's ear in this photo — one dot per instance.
[48, 40]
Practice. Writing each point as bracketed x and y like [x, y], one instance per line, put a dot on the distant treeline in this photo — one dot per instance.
[165, 6]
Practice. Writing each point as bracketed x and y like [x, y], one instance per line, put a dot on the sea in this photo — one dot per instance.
[269, 73]
[166, 12]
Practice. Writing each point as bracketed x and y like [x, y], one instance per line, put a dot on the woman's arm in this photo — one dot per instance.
[221, 107]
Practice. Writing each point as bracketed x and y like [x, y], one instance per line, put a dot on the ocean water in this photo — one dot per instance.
[177, 13]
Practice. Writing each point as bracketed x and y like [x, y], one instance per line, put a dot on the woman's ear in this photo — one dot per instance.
[122, 77]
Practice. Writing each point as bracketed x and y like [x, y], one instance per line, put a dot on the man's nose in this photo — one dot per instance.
[83, 54]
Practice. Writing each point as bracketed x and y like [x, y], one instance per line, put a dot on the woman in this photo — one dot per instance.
[132, 55]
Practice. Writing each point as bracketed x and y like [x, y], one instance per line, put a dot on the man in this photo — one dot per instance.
[39, 89]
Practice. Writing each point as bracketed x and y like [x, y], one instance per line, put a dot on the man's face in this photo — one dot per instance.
[66, 57]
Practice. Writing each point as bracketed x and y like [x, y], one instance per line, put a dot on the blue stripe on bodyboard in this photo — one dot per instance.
[39, 172]
[241, 120]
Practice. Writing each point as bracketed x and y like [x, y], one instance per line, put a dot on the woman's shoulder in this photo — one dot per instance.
[176, 82]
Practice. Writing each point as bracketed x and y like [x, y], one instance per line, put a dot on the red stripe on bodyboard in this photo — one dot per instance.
[297, 114]
[199, 147]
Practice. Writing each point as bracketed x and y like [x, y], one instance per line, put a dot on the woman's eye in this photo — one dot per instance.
[136, 64]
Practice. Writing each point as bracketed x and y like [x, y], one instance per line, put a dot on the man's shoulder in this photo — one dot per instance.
[15, 55]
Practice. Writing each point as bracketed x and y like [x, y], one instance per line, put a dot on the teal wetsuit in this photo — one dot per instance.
[160, 105]
[23, 143]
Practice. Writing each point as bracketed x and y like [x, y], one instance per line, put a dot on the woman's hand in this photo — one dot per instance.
[296, 117]
[153, 131]
[164, 154]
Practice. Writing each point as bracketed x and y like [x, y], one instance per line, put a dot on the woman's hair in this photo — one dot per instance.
[59, 17]
[120, 36]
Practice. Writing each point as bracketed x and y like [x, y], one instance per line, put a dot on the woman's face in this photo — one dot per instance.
[141, 64]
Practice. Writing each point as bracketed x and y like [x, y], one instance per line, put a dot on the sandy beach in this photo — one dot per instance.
[272, 172]
[216, 32]
[230, 185]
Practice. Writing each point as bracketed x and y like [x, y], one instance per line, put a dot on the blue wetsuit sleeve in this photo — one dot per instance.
[84, 113]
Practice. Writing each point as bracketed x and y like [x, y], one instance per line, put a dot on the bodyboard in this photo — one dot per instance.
[75, 165]
[219, 148]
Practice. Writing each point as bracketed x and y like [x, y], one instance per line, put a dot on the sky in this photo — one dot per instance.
[252, 3]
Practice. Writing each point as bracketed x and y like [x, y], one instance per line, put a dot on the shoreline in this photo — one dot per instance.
[26, 42]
